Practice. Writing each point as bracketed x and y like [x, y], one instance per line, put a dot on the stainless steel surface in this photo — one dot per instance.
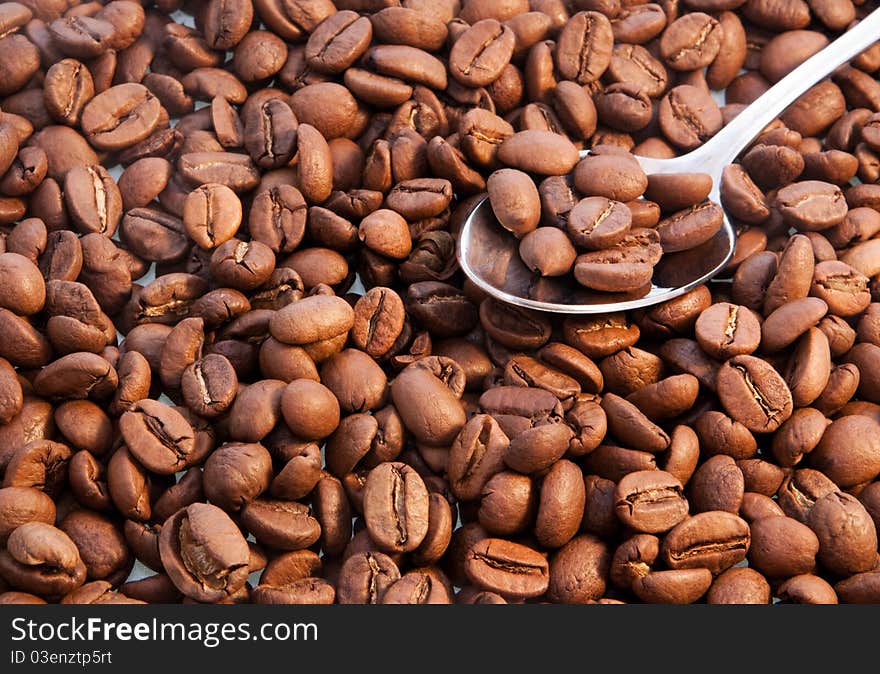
[488, 253]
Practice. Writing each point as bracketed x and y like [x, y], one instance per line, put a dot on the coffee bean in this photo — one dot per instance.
[717, 485]
[807, 589]
[386, 233]
[614, 176]
[650, 501]
[120, 116]
[235, 171]
[547, 251]
[557, 155]
[204, 553]
[725, 330]
[690, 228]
[775, 561]
[578, 571]
[20, 505]
[584, 47]
[439, 423]
[680, 586]
[515, 201]
[689, 117]
[789, 321]
[846, 533]
[691, 42]
[754, 394]
[285, 525]
[847, 468]
[811, 205]
[365, 578]
[378, 321]
[714, 540]
[226, 22]
[93, 199]
[211, 215]
[396, 507]
[154, 235]
[508, 568]
[42, 559]
[68, 87]
[481, 53]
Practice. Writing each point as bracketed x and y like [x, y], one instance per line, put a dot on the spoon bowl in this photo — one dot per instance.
[504, 276]
[489, 255]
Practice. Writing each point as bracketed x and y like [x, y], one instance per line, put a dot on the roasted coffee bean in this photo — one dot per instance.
[689, 117]
[583, 52]
[235, 171]
[385, 232]
[678, 586]
[725, 330]
[20, 505]
[93, 199]
[211, 215]
[754, 394]
[285, 525]
[811, 205]
[204, 553]
[857, 465]
[614, 176]
[396, 507]
[846, 533]
[774, 560]
[714, 540]
[596, 223]
[67, 89]
[690, 228]
[633, 428]
[476, 455]
[547, 251]
[510, 569]
[227, 22]
[157, 436]
[578, 570]
[236, 474]
[806, 589]
[154, 235]
[739, 586]
[439, 422]
[538, 151]
[527, 371]
[42, 559]
[277, 218]
[515, 201]
[120, 116]
[270, 133]
[365, 578]
[650, 501]
[378, 321]
[481, 53]
[788, 322]
[717, 485]
[24, 290]
[691, 42]
[514, 328]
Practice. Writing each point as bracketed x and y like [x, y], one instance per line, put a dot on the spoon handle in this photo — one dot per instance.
[727, 144]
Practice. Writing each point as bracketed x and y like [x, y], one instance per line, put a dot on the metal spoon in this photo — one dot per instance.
[488, 253]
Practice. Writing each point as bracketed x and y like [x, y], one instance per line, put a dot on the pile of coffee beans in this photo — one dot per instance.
[194, 386]
[620, 231]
